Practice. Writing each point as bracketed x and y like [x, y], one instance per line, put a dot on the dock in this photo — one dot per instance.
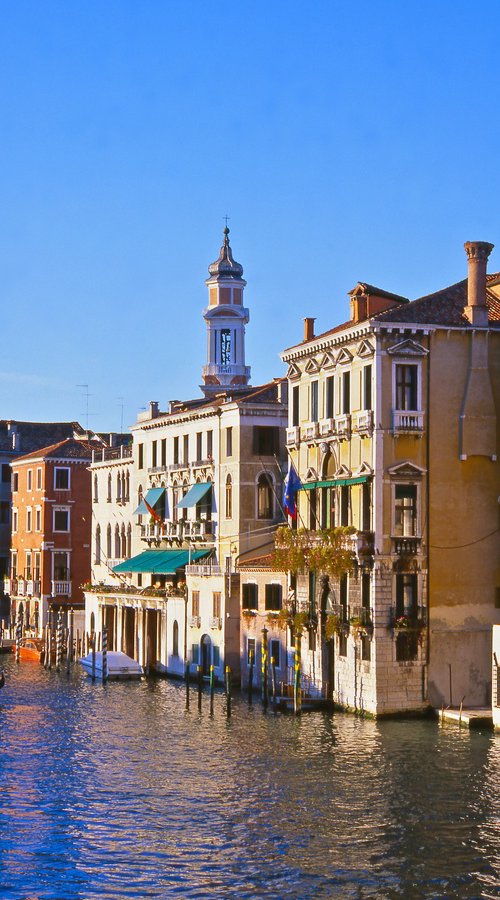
[468, 717]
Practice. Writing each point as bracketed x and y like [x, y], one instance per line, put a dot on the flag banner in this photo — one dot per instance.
[292, 485]
[152, 512]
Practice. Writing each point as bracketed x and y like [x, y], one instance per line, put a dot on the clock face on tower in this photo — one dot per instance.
[225, 346]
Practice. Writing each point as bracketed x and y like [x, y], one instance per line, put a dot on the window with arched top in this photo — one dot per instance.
[117, 541]
[127, 486]
[129, 541]
[109, 487]
[185, 489]
[229, 497]
[92, 623]
[175, 500]
[123, 542]
[96, 489]
[175, 639]
[264, 497]
[98, 545]
[118, 487]
[108, 542]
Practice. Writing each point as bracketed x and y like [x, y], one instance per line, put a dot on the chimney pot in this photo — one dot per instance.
[476, 310]
[309, 329]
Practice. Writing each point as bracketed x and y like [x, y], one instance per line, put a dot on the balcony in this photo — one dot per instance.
[412, 618]
[406, 546]
[407, 422]
[202, 463]
[61, 588]
[215, 622]
[124, 451]
[364, 422]
[154, 532]
[195, 621]
[361, 617]
[293, 436]
[310, 431]
[199, 530]
[326, 427]
[178, 466]
[343, 426]
[204, 570]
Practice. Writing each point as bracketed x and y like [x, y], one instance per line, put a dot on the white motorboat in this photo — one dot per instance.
[120, 666]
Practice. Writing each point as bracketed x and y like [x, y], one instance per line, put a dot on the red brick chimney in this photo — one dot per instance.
[476, 310]
[309, 329]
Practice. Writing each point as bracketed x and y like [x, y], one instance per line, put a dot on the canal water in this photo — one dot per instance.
[117, 792]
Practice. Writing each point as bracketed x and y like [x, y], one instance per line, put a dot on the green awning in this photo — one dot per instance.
[335, 482]
[152, 497]
[194, 495]
[160, 562]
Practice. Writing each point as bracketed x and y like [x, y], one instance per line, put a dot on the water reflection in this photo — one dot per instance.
[117, 792]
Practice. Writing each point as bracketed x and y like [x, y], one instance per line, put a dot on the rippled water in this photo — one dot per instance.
[118, 792]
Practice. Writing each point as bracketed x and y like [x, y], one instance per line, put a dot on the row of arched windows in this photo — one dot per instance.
[122, 487]
[118, 545]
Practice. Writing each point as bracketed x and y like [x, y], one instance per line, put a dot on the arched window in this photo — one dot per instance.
[129, 540]
[185, 489]
[175, 639]
[117, 541]
[264, 497]
[96, 489]
[175, 500]
[139, 501]
[127, 486]
[109, 488]
[118, 487]
[229, 497]
[98, 545]
[108, 542]
[92, 623]
[123, 542]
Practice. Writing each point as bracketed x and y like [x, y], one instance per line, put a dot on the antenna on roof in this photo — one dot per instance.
[120, 399]
[86, 395]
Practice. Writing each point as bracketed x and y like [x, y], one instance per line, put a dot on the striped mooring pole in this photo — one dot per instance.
[250, 676]
[265, 670]
[19, 634]
[104, 654]
[297, 695]
[228, 691]
[59, 641]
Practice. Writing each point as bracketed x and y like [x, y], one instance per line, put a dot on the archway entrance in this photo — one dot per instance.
[205, 654]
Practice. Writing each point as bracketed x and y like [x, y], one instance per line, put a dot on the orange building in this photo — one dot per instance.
[51, 528]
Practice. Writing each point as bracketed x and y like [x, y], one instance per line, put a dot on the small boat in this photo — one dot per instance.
[120, 666]
[32, 649]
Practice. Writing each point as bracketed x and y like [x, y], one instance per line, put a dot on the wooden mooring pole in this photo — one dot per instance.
[212, 689]
[186, 675]
[297, 695]
[228, 691]
[250, 677]
[200, 686]
[265, 670]
[92, 644]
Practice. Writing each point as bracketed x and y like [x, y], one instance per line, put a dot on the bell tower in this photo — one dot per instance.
[226, 318]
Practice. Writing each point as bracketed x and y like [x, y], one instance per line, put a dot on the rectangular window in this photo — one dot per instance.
[185, 449]
[6, 473]
[250, 651]
[195, 603]
[313, 509]
[61, 567]
[265, 440]
[199, 454]
[36, 565]
[329, 408]
[14, 520]
[39, 479]
[273, 596]
[367, 387]
[344, 504]
[13, 564]
[342, 644]
[195, 654]
[176, 450]
[406, 387]
[154, 454]
[140, 456]
[405, 512]
[61, 520]
[4, 512]
[366, 648]
[365, 590]
[343, 595]
[15, 481]
[29, 518]
[295, 406]
[346, 393]
[313, 404]
[274, 653]
[250, 596]
[366, 504]
[312, 595]
[229, 441]
[164, 452]
[216, 607]
[27, 571]
[29, 480]
[406, 594]
[210, 444]
[61, 479]
[406, 646]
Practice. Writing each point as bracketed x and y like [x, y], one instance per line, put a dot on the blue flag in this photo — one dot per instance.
[292, 485]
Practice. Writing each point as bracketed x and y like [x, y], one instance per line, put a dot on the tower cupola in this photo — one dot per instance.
[226, 318]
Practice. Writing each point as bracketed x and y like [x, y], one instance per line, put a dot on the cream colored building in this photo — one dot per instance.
[205, 490]
[393, 429]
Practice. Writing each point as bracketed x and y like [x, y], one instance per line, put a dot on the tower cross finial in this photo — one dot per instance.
[226, 218]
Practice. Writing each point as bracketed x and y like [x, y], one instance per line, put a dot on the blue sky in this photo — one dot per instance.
[345, 142]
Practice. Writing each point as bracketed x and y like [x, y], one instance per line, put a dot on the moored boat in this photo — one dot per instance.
[32, 649]
[120, 666]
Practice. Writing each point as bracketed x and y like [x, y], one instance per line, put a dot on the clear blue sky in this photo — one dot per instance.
[346, 141]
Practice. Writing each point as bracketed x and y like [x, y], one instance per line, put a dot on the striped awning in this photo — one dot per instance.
[335, 482]
[160, 562]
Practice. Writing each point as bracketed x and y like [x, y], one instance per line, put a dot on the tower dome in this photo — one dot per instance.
[225, 266]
